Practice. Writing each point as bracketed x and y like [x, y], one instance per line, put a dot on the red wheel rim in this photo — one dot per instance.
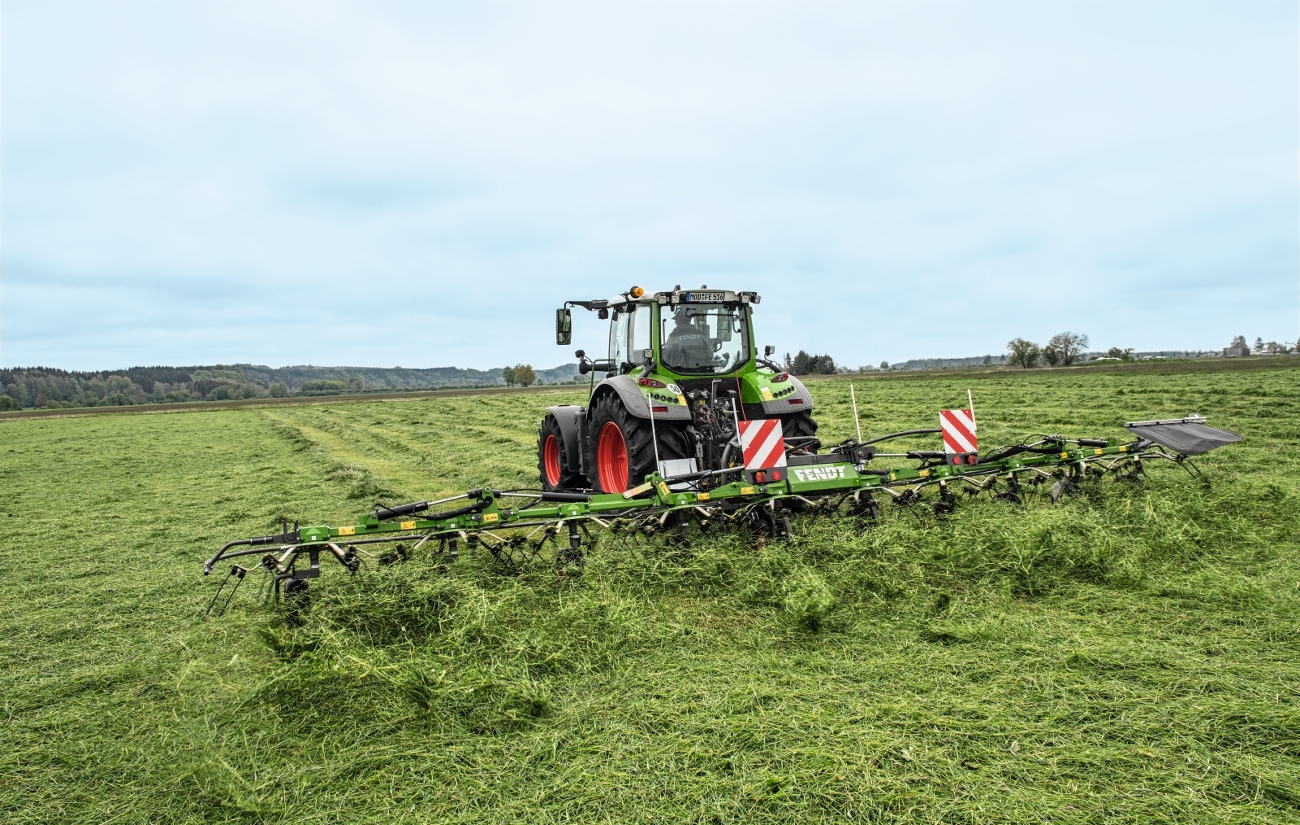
[611, 459]
[551, 460]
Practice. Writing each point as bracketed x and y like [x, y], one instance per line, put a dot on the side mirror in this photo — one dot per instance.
[769, 351]
[724, 329]
[563, 327]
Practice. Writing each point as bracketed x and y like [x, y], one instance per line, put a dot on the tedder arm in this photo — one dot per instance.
[514, 526]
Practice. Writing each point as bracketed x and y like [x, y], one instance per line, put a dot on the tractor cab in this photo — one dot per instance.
[700, 333]
[685, 333]
[681, 373]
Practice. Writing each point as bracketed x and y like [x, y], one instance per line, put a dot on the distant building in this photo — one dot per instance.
[1235, 352]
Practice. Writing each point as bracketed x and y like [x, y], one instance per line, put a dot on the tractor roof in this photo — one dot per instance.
[677, 295]
[703, 295]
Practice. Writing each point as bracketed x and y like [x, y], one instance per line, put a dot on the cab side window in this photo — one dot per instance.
[640, 333]
[618, 340]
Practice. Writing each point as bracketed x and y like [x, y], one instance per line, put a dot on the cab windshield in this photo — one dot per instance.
[703, 339]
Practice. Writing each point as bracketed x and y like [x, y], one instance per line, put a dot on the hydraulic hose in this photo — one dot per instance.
[463, 511]
[900, 435]
[382, 513]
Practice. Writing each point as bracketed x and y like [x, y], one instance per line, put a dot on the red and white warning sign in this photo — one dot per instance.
[762, 444]
[959, 443]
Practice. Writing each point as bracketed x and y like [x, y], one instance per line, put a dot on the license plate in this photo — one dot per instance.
[704, 297]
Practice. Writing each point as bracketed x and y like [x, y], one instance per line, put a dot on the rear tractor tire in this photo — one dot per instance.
[621, 448]
[800, 424]
[555, 472]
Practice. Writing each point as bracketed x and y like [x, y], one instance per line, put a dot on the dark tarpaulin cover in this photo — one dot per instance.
[1186, 437]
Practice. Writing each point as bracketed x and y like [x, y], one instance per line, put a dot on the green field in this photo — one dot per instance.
[1132, 654]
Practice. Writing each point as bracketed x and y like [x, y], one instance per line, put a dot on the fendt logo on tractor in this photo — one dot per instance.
[689, 425]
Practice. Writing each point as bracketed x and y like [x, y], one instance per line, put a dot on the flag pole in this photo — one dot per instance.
[854, 399]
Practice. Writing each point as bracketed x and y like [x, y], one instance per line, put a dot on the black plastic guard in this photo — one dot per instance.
[1183, 435]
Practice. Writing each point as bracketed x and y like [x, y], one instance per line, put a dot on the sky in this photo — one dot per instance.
[421, 184]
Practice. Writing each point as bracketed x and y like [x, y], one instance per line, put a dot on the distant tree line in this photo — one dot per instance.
[1263, 347]
[51, 388]
[805, 364]
[1062, 350]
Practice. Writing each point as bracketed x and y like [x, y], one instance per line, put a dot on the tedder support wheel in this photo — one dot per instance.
[621, 449]
[551, 466]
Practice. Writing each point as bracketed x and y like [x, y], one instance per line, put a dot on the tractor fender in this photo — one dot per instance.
[782, 405]
[625, 387]
[567, 416]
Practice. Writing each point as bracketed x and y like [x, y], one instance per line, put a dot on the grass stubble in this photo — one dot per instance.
[1127, 655]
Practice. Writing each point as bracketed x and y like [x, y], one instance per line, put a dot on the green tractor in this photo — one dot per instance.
[681, 375]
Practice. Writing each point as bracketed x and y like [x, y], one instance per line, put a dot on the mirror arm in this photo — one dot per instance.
[588, 305]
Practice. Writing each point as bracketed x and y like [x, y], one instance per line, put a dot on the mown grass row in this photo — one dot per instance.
[1126, 655]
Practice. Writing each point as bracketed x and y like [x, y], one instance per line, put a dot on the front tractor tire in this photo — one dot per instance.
[551, 466]
[621, 448]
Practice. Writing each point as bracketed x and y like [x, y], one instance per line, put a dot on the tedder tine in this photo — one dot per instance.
[237, 573]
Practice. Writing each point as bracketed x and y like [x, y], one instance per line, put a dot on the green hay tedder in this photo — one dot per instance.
[691, 426]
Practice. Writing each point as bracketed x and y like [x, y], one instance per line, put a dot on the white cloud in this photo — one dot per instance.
[415, 184]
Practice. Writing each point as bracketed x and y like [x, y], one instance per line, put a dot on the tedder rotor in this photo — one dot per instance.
[690, 425]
